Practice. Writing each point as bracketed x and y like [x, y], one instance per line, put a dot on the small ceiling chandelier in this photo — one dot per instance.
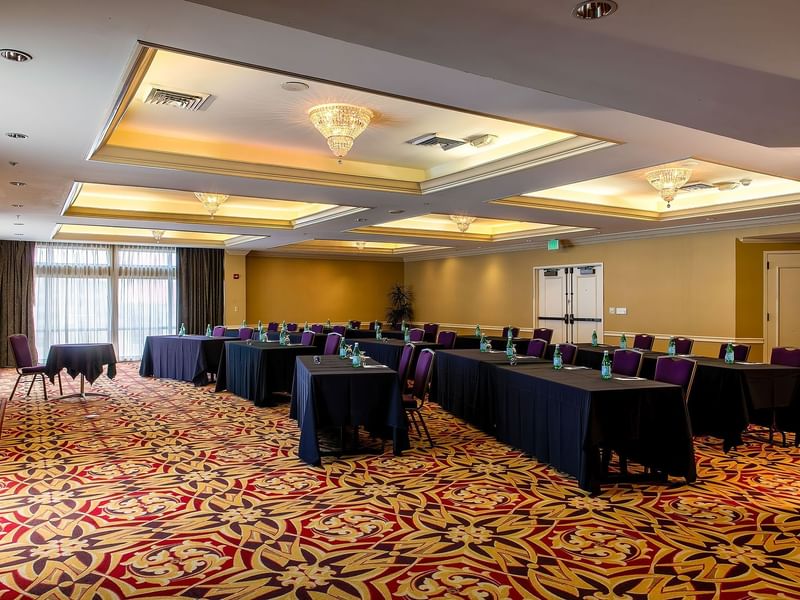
[668, 181]
[340, 124]
[462, 222]
[211, 202]
[157, 235]
[361, 244]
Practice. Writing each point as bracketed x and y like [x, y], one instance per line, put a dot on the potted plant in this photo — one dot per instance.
[401, 307]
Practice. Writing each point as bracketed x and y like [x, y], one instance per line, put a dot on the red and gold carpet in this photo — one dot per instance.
[164, 490]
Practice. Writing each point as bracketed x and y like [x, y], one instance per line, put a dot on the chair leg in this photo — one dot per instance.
[30, 387]
[415, 423]
[15, 387]
[44, 385]
[425, 427]
[60, 389]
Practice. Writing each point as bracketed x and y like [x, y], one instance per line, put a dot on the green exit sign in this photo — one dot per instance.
[553, 244]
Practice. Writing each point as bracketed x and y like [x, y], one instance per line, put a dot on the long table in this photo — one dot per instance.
[388, 351]
[257, 370]
[334, 394]
[473, 342]
[185, 358]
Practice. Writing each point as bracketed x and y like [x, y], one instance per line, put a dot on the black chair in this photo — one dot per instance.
[24, 365]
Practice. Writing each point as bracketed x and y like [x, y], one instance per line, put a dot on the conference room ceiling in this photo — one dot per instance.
[574, 137]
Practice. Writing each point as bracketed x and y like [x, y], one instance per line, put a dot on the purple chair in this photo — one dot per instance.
[537, 348]
[355, 324]
[272, 326]
[219, 331]
[403, 367]
[340, 329]
[643, 341]
[416, 335]
[626, 362]
[291, 327]
[514, 332]
[447, 339]
[245, 333]
[317, 328]
[431, 331]
[543, 333]
[24, 362]
[307, 339]
[332, 343]
[676, 370]
[786, 356]
[740, 351]
[372, 325]
[414, 401]
[255, 336]
[683, 345]
[568, 353]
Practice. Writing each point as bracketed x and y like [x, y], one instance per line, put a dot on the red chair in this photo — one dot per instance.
[24, 365]
[414, 401]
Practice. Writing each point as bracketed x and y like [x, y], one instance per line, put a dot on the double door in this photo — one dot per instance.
[569, 300]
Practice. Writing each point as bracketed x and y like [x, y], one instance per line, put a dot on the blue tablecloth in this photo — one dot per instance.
[185, 358]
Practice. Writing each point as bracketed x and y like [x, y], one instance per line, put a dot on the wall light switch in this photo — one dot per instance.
[612, 310]
[235, 309]
[622, 310]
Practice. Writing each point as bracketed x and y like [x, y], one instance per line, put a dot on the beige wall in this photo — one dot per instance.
[298, 289]
[235, 289]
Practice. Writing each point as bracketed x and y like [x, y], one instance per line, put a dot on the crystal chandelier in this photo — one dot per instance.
[211, 202]
[157, 235]
[668, 181]
[340, 124]
[462, 222]
[361, 245]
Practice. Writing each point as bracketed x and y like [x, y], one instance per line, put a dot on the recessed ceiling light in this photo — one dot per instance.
[17, 205]
[294, 86]
[15, 55]
[396, 211]
[18, 183]
[14, 135]
[591, 10]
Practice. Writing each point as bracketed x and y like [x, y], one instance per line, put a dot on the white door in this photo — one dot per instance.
[570, 302]
[783, 290]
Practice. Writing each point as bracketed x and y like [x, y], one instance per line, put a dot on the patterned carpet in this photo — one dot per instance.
[164, 490]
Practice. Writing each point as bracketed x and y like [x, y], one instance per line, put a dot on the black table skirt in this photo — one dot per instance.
[334, 394]
[461, 384]
[81, 359]
[388, 352]
[564, 417]
[185, 358]
[256, 370]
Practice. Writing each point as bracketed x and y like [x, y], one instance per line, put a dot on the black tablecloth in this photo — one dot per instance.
[335, 394]
[471, 342]
[387, 352]
[256, 370]
[185, 358]
[564, 418]
[81, 359]
[460, 383]
[295, 338]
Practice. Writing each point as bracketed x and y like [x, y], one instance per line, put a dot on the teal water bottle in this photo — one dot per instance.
[328, 324]
[406, 335]
[342, 348]
[182, 330]
[244, 323]
[605, 366]
[623, 342]
[483, 343]
[260, 326]
[729, 355]
[208, 330]
[477, 331]
[262, 336]
[509, 346]
[378, 333]
[558, 361]
[671, 347]
[305, 327]
[283, 325]
[356, 355]
[594, 338]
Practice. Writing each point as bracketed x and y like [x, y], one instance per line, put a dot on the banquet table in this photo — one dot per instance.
[472, 342]
[388, 351]
[565, 417]
[86, 360]
[295, 338]
[256, 370]
[334, 394]
[460, 383]
[185, 358]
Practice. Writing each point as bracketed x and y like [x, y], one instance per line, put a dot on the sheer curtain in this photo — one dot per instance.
[102, 293]
[145, 296]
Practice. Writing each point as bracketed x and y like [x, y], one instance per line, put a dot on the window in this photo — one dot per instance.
[100, 293]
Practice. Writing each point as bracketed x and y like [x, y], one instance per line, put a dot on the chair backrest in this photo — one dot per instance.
[373, 323]
[422, 374]
[569, 353]
[340, 329]
[447, 339]
[643, 341]
[317, 328]
[740, 351]
[677, 370]
[332, 343]
[416, 335]
[431, 330]
[355, 324]
[542, 333]
[307, 339]
[683, 345]
[405, 364]
[514, 332]
[785, 355]
[626, 362]
[272, 326]
[537, 348]
[255, 336]
[21, 350]
[291, 327]
[219, 331]
[245, 333]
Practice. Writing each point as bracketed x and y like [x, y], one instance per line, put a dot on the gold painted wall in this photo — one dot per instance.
[235, 289]
[300, 289]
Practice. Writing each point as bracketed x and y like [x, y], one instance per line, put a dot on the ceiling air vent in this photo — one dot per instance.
[698, 186]
[182, 100]
[433, 139]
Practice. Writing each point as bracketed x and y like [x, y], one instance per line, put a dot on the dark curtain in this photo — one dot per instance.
[16, 296]
[201, 288]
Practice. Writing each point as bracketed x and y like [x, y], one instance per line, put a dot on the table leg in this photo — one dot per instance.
[82, 394]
